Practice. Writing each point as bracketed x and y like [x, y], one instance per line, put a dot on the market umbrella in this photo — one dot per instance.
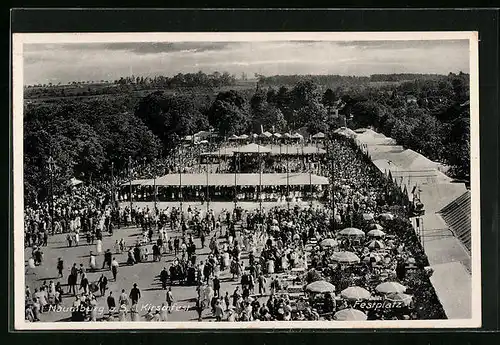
[277, 135]
[399, 297]
[376, 233]
[329, 242]
[350, 315]
[351, 232]
[386, 216]
[390, 287]
[376, 226]
[376, 244]
[367, 216]
[411, 261]
[320, 286]
[372, 255]
[355, 293]
[345, 257]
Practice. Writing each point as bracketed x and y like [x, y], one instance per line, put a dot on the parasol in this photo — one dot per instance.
[345, 257]
[390, 287]
[350, 315]
[376, 244]
[355, 293]
[386, 216]
[399, 297]
[376, 227]
[367, 216]
[376, 233]
[329, 242]
[320, 286]
[351, 232]
[372, 255]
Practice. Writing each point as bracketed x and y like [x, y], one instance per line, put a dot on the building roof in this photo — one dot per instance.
[436, 196]
[453, 286]
[457, 215]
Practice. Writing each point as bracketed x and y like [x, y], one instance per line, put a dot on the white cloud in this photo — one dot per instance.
[59, 63]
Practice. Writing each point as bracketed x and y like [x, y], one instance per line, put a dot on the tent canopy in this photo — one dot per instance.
[138, 182]
[253, 148]
[319, 135]
[277, 135]
[223, 180]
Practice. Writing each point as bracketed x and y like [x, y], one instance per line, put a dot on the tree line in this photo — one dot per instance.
[86, 136]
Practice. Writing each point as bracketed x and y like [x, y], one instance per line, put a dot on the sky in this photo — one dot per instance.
[62, 63]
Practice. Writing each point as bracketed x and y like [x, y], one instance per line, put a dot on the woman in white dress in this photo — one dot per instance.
[226, 259]
[31, 263]
[92, 261]
[98, 246]
[93, 309]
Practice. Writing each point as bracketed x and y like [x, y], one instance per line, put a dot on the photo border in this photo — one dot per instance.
[404, 20]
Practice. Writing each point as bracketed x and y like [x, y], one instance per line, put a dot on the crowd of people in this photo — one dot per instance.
[358, 241]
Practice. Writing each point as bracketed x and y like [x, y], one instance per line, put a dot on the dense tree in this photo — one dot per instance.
[166, 115]
[329, 98]
[83, 137]
[229, 113]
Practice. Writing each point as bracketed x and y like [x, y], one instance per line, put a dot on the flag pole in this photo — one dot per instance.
[260, 179]
[287, 179]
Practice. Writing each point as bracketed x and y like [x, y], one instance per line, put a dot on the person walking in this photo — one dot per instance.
[111, 303]
[60, 267]
[72, 278]
[216, 283]
[107, 259]
[103, 284]
[170, 299]
[84, 283]
[123, 300]
[114, 268]
[135, 294]
[164, 278]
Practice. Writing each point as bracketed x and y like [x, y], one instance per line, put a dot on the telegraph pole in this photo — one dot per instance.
[260, 180]
[130, 179]
[113, 185]
[287, 179]
[154, 185]
[51, 164]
